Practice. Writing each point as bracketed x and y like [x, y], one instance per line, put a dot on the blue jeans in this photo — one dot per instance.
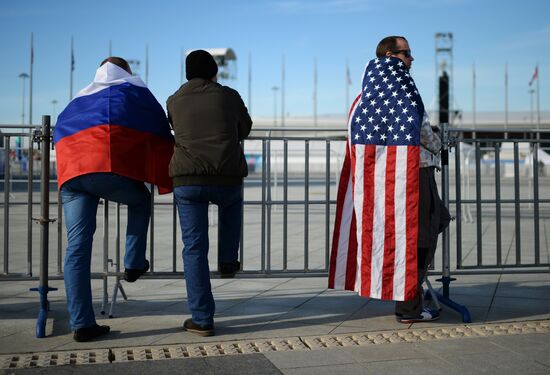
[80, 197]
[192, 204]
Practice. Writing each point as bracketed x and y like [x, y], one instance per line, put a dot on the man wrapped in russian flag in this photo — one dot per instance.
[112, 138]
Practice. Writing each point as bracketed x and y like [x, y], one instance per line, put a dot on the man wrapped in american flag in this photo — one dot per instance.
[388, 207]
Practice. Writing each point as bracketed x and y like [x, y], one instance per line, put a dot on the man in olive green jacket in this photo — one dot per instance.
[209, 121]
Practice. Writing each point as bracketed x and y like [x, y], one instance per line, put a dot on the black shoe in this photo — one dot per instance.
[132, 275]
[229, 269]
[427, 315]
[192, 327]
[89, 333]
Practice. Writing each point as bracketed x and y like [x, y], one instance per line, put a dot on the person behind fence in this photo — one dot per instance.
[110, 139]
[433, 217]
[388, 208]
[209, 122]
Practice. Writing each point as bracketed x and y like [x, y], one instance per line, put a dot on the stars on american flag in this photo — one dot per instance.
[390, 113]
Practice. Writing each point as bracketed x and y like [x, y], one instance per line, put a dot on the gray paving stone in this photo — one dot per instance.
[345, 369]
[499, 362]
[376, 353]
[532, 346]
[413, 366]
[314, 358]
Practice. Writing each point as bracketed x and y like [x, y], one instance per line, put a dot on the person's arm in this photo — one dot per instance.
[428, 138]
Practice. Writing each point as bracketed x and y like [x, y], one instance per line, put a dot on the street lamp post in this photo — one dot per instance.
[23, 77]
[275, 89]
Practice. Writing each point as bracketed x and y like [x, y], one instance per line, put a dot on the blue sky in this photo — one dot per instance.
[487, 32]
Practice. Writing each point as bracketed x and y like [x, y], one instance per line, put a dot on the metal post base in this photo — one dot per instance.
[44, 308]
[431, 294]
[444, 299]
[118, 286]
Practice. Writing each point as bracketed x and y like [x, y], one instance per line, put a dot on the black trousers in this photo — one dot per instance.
[429, 211]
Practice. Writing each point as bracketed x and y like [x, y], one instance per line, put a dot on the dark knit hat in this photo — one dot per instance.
[200, 64]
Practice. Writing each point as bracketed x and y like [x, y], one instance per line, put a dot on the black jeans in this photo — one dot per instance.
[429, 211]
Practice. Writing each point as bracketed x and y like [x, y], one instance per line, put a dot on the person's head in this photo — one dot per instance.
[396, 46]
[118, 61]
[200, 64]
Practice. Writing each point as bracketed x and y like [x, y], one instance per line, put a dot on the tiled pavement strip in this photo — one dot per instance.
[302, 343]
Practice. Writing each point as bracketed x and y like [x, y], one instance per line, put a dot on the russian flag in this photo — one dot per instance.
[115, 124]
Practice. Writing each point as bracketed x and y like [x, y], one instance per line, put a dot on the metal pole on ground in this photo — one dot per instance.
[7, 183]
[44, 222]
[446, 275]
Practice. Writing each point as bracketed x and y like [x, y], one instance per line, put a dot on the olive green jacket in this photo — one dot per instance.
[209, 122]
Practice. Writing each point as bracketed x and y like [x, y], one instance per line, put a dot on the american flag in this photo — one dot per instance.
[374, 244]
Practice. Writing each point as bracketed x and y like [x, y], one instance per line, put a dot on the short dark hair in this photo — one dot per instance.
[389, 43]
[118, 61]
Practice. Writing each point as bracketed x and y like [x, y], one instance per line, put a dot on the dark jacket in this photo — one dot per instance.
[209, 121]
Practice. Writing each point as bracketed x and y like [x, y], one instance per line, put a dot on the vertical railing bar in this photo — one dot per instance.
[174, 234]
[306, 208]
[517, 203]
[458, 193]
[59, 233]
[268, 207]
[478, 205]
[117, 238]
[7, 182]
[327, 203]
[285, 205]
[152, 232]
[105, 253]
[241, 235]
[498, 204]
[264, 167]
[536, 198]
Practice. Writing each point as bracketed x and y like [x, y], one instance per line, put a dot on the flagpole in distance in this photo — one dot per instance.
[347, 87]
[71, 71]
[30, 80]
[538, 98]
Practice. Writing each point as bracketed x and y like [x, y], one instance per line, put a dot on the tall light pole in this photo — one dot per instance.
[250, 83]
[275, 89]
[315, 91]
[283, 91]
[23, 77]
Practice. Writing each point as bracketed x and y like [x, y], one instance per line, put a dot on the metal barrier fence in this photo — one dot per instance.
[289, 204]
[511, 199]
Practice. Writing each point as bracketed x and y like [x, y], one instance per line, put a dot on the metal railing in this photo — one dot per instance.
[512, 191]
[289, 203]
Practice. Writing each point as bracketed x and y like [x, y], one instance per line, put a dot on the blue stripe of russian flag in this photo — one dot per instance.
[125, 104]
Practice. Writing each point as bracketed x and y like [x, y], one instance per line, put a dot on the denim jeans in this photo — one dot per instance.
[192, 204]
[80, 197]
